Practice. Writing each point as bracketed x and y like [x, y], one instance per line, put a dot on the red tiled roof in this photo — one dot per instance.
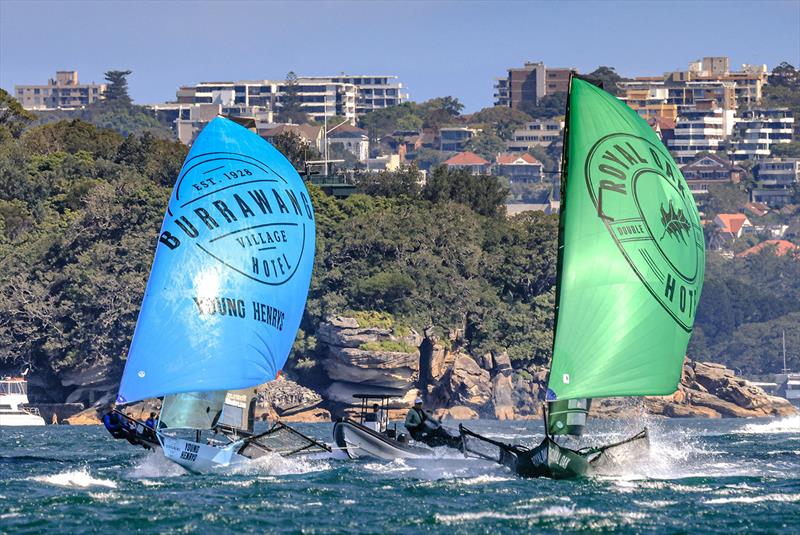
[466, 158]
[732, 222]
[509, 158]
[781, 247]
[757, 208]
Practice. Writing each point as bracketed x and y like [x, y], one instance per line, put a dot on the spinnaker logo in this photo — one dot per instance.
[649, 212]
[239, 211]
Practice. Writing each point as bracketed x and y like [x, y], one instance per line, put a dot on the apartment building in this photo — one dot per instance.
[62, 92]
[775, 180]
[709, 170]
[705, 79]
[701, 130]
[519, 168]
[757, 130]
[530, 83]
[374, 92]
[538, 133]
[455, 139]
[345, 96]
[189, 119]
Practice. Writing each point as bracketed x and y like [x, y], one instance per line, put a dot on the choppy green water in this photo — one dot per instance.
[703, 476]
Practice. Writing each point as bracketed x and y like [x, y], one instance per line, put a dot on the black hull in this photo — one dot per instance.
[554, 461]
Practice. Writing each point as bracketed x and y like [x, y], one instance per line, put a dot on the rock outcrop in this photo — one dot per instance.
[283, 399]
[366, 359]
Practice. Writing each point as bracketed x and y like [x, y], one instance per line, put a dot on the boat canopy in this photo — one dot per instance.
[631, 256]
[231, 272]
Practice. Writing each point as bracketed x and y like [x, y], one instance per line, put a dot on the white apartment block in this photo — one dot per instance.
[320, 96]
[700, 131]
[757, 130]
[189, 119]
[538, 133]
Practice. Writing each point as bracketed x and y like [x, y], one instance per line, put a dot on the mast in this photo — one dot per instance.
[561, 216]
[785, 369]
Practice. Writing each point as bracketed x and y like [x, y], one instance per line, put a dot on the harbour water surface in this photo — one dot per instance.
[703, 476]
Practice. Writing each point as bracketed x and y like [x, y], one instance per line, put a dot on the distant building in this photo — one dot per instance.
[775, 180]
[344, 95]
[701, 130]
[471, 161]
[707, 78]
[528, 84]
[353, 140]
[708, 170]
[732, 225]
[311, 135]
[455, 139]
[518, 168]
[757, 209]
[188, 119]
[62, 92]
[374, 92]
[538, 133]
[664, 127]
[779, 247]
[757, 130]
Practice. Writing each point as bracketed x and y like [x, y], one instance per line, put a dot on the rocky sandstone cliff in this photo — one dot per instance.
[368, 359]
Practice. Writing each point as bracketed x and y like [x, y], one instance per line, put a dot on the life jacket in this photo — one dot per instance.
[422, 416]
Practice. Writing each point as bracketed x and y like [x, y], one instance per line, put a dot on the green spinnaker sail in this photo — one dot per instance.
[633, 256]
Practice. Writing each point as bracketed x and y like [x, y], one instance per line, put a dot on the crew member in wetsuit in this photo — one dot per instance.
[151, 422]
[425, 428]
[113, 424]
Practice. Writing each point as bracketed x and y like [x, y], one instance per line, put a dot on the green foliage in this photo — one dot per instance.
[549, 106]
[725, 199]
[404, 181]
[786, 150]
[486, 144]
[396, 346]
[12, 115]
[502, 119]
[291, 110]
[433, 114]
[608, 77]
[482, 193]
[295, 149]
[117, 90]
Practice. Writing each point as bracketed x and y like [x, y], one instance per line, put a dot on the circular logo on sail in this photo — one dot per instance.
[242, 213]
[647, 209]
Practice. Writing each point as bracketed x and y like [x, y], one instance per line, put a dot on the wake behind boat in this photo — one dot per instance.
[631, 259]
[223, 303]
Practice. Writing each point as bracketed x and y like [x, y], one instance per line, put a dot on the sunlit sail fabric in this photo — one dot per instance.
[192, 410]
[632, 256]
[231, 272]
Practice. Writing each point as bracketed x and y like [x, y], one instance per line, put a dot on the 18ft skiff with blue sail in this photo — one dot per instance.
[631, 260]
[224, 300]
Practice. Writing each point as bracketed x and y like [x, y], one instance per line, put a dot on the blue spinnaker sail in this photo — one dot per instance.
[231, 272]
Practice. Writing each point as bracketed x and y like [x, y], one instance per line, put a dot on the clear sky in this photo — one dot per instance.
[436, 48]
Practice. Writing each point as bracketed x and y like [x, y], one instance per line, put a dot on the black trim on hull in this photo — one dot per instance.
[549, 459]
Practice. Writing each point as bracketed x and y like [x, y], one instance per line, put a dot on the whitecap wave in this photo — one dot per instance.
[791, 498]
[790, 424]
[80, 479]
[484, 479]
[155, 465]
[276, 465]
[554, 510]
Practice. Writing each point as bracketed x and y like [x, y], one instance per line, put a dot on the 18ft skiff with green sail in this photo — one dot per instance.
[224, 300]
[631, 259]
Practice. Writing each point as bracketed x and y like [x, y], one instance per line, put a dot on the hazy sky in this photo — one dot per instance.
[436, 48]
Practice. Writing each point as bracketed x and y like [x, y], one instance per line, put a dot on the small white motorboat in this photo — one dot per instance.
[13, 401]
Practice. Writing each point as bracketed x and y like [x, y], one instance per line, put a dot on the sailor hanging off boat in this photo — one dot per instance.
[425, 428]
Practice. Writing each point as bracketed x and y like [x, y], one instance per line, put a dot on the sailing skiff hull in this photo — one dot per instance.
[359, 441]
[551, 460]
[200, 458]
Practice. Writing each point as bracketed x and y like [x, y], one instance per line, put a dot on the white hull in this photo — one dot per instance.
[200, 458]
[359, 441]
[20, 419]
